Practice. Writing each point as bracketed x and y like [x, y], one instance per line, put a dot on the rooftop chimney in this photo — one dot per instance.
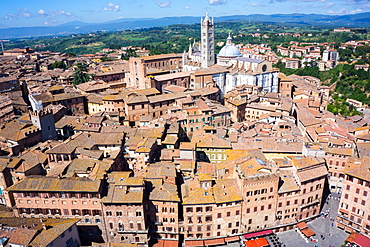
[44, 226]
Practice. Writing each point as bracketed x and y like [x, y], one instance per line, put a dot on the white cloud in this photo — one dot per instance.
[44, 13]
[164, 4]
[25, 13]
[257, 5]
[112, 7]
[356, 11]
[50, 23]
[342, 11]
[339, 12]
[217, 2]
[331, 4]
[187, 7]
[10, 17]
[41, 12]
[62, 12]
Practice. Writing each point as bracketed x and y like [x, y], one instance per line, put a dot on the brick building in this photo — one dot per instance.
[285, 85]
[300, 195]
[73, 101]
[196, 113]
[212, 210]
[354, 212]
[142, 67]
[6, 110]
[162, 202]
[162, 210]
[124, 210]
[49, 197]
[210, 148]
[9, 84]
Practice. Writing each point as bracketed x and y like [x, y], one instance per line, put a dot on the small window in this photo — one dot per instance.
[69, 242]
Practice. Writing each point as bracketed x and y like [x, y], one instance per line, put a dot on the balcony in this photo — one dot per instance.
[344, 219]
[131, 231]
[348, 223]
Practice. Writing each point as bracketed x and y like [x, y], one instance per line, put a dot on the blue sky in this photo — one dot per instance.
[22, 13]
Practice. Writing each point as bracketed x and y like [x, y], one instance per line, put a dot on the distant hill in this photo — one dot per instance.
[354, 20]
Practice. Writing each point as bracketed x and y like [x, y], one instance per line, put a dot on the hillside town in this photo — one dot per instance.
[189, 149]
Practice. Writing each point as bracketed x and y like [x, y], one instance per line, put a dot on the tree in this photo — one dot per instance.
[58, 65]
[105, 59]
[80, 75]
[70, 54]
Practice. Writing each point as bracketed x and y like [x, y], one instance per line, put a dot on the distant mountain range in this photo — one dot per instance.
[354, 20]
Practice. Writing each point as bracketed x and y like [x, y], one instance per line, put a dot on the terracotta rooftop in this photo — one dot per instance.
[162, 56]
[164, 192]
[254, 167]
[94, 169]
[173, 76]
[52, 184]
[22, 237]
[310, 174]
[160, 170]
[210, 141]
[198, 196]
[26, 237]
[53, 231]
[166, 97]
[225, 190]
[288, 183]
[107, 138]
[359, 168]
[118, 195]
[304, 162]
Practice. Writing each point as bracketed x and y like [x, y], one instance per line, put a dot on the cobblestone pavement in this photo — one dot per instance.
[333, 236]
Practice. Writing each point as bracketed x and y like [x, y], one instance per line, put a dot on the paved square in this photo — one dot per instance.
[321, 226]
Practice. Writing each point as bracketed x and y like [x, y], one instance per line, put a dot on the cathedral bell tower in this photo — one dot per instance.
[207, 42]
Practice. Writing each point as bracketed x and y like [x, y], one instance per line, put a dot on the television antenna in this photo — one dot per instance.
[2, 44]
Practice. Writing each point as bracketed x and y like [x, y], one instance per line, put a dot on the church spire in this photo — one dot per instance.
[229, 39]
[207, 18]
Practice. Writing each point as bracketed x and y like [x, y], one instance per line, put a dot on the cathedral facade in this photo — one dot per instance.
[241, 70]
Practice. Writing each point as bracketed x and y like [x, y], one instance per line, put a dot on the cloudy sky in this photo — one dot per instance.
[21, 13]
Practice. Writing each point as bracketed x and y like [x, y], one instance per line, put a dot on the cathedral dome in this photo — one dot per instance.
[229, 50]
